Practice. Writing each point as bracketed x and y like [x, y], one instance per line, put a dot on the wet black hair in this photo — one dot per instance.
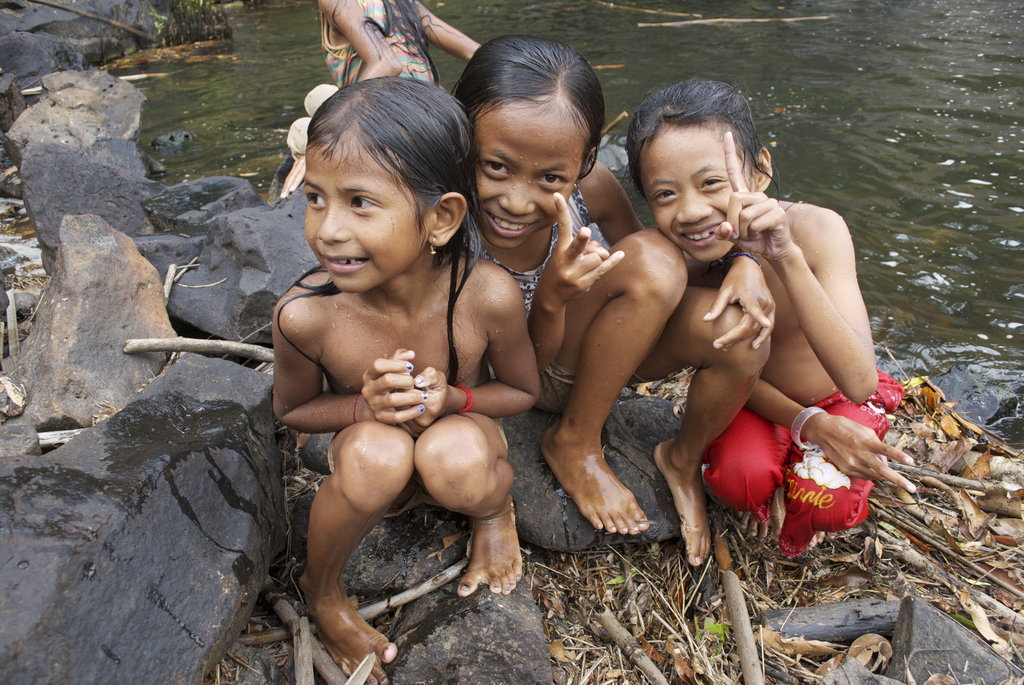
[513, 69]
[694, 102]
[420, 135]
[403, 15]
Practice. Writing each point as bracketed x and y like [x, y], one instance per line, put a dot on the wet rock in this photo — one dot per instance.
[12, 103]
[315, 454]
[853, 672]
[17, 441]
[9, 260]
[87, 186]
[4, 301]
[252, 256]
[546, 515]
[190, 206]
[86, 110]
[398, 553]
[102, 293]
[136, 551]
[926, 642]
[26, 301]
[975, 401]
[168, 248]
[12, 397]
[257, 666]
[173, 142]
[483, 638]
[31, 56]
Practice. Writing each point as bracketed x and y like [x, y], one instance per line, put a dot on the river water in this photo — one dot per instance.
[905, 117]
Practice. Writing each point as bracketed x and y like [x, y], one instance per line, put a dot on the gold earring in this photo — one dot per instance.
[433, 250]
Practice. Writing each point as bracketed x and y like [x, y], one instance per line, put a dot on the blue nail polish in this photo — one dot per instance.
[422, 409]
[408, 366]
[424, 397]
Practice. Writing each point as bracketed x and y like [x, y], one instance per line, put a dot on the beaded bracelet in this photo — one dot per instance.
[469, 398]
[798, 424]
[723, 263]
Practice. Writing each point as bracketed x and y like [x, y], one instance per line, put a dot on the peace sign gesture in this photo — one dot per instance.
[576, 263]
[754, 222]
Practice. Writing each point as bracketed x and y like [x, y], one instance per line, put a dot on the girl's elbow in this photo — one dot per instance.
[861, 388]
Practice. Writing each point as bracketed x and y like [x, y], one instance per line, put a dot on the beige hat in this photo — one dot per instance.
[317, 96]
[297, 137]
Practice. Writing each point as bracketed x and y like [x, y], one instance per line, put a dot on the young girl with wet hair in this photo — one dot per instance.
[812, 427]
[598, 319]
[401, 343]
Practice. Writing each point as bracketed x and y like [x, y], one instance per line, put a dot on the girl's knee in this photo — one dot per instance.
[374, 454]
[453, 450]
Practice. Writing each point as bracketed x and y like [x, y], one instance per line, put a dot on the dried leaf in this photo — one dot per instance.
[851, 576]
[975, 518]
[449, 540]
[950, 426]
[872, 650]
[681, 664]
[980, 619]
[722, 555]
[980, 469]
[794, 646]
[651, 651]
[940, 679]
[558, 652]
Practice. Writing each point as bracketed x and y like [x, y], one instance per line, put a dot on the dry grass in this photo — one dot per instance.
[678, 613]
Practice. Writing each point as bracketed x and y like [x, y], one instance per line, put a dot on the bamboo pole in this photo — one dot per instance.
[741, 630]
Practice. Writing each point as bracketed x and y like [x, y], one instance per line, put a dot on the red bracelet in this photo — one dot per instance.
[469, 398]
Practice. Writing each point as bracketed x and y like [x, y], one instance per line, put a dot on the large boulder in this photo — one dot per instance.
[102, 293]
[483, 638]
[189, 207]
[250, 258]
[12, 103]
[31, 56]
[547, 516]
[86, 186]
[135, 552]
[87, 110]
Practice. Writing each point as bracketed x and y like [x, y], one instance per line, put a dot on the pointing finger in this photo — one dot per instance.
[733, 164]
[564, 223]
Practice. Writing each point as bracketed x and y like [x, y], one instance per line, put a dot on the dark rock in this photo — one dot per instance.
[134, 553]
[96, 41]
[87, 186]
[88, 110]
[853, 672]
[17, 441]
[483, 638]
[26, 301]
[31, 56]
[190, 206]
[10, 179]
[173, 142]
[4, 301]
[253, 255]
[315, 454]
[102, 293]
[398, 553]
[257, 666]
[9, 261]
[927, 641]
[546, 515]
[975, 401]
[12, 103]
[12, 398]
[167, 248]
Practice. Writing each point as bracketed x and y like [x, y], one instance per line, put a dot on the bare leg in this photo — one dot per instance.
[463, 463]
[609, 332]
[720, 387]
[373, 466]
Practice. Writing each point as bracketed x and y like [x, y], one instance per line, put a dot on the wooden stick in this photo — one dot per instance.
[13, 343]
[622, 115]
[6, 365]
[172, 271]
[741, 629]
[667, 13]
[363, 670]
[53, 438]
[304, 654]
[265, 637]
[374, 610]
[737, 20]
[947, 478]
[628, 644]
[237, 349]
[323, 662]
[89, 15]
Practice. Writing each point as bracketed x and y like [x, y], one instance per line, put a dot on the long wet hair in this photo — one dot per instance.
[694, 102]
[419, 134]
[403, 15]
[514, 69]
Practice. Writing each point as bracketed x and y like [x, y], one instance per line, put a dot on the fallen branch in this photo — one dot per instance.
[53, 438]
[741, 630]
[838, 622]
[323, 662]
[614, 122]
[265, 637]
[172, 272]
[628, 644]
[303, 653]
[374, 610]
[946, 478]
[667, 13]
[89, 15]
[738, 20]
[257, 352]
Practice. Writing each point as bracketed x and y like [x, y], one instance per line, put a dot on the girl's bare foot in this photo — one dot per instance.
[346, 636]
[688, 495]
[494, 556]
[599, 495]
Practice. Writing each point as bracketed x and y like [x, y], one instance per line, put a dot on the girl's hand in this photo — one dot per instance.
[576, 262]
[754, 222]
[389, 390]
[744, 285]
[434, 386]
[856, 450]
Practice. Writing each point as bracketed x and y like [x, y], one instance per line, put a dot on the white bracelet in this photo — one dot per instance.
[798, 424]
